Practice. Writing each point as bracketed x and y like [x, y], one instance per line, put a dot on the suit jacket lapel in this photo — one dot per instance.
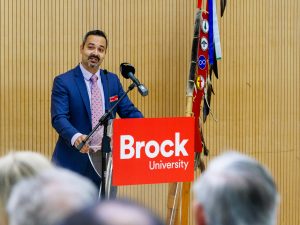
[105, 83]
[82, 89]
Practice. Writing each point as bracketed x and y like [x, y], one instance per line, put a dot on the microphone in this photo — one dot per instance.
[127, 71]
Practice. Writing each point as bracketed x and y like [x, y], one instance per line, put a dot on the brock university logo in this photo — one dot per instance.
[152, 149]
[156, 150]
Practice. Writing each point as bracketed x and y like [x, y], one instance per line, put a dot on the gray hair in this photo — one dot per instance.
[114, 212]
[16, 166]
[237, 190]
[50, 197]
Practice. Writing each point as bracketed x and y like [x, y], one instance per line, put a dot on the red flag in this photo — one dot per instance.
[202, 70]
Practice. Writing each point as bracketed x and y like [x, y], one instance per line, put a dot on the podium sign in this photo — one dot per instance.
[153, 150]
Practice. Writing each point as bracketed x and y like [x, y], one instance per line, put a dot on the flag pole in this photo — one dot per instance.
[186, 186]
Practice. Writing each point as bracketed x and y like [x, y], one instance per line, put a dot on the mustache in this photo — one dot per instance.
[94, 56]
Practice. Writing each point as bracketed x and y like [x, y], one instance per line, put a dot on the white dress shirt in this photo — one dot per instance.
[87, 76]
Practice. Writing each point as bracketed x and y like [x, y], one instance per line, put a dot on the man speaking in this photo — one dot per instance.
[79, 99]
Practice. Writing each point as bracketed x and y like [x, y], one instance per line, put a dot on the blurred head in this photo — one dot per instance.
[93, 50]
[49, 197]
[114, 212]
[16, 166]
[235, 189]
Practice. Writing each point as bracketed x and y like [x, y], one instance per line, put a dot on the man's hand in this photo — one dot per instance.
[85, 148]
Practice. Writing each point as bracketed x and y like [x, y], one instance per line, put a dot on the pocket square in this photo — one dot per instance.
[113, 98]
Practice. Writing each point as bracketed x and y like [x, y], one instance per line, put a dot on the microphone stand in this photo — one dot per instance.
[105, 147]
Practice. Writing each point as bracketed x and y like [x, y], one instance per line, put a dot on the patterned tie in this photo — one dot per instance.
[97, 111]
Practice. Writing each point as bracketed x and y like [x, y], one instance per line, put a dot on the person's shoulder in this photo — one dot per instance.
[111, 75]
[68, 74]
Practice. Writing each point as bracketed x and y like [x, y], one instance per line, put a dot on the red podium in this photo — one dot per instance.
[153, 150]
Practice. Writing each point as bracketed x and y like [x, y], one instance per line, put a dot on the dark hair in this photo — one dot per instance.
[97, 33]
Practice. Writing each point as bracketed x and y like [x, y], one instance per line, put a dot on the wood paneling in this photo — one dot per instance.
[257, 96]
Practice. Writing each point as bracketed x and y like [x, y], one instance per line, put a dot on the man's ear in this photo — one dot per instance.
[199, 214]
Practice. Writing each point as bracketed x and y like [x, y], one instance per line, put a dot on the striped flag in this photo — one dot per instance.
[209, 50]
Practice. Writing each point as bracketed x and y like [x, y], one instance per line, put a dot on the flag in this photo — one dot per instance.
[202, 70]
[209, 51]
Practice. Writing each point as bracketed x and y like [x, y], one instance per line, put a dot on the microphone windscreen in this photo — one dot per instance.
[126, 68]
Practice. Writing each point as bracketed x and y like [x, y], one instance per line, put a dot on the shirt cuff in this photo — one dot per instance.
[74, 138]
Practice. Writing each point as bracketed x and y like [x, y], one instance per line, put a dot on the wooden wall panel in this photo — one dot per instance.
[257, 96]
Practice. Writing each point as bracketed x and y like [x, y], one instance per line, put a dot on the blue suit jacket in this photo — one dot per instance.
[71, 113]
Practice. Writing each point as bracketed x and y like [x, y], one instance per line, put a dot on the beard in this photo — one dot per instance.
[93, 65]
[94, 61]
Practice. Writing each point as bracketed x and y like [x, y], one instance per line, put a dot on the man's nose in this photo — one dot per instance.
[96, 52]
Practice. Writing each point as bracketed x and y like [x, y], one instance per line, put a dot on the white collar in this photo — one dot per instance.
[87, 75]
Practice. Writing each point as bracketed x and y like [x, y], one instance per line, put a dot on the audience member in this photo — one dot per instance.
[113, 212]
[235, 189]
[49, 197]
[14, 167]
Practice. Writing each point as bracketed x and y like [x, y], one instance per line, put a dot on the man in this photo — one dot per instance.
[79, 98]
[235, 189]
[49, 197]
[113, 212]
